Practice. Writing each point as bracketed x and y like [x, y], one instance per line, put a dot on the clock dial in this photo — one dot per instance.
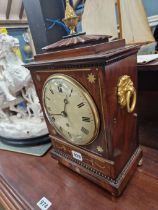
[70, 109]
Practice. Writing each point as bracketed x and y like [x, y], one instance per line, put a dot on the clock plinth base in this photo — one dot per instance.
[114, 186]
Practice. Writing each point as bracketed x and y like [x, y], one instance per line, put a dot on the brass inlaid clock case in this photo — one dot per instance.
[87, 89]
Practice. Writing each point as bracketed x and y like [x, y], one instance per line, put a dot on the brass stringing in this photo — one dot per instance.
[38, 78]
[100, 149]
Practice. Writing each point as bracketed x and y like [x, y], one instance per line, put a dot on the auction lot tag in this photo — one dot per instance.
[44, 203]
[77, 155]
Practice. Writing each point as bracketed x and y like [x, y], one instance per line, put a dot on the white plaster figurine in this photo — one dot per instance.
[20, 112]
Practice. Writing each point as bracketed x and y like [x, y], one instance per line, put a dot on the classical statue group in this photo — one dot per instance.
[20, 112]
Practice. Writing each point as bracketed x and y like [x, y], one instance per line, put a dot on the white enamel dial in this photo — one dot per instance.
[70, 109]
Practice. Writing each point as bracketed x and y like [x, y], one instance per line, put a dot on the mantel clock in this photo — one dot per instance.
[87, 88]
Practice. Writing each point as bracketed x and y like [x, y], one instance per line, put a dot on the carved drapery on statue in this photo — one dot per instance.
[20, 112]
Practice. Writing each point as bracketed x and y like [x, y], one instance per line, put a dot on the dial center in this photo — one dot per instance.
[64, 114]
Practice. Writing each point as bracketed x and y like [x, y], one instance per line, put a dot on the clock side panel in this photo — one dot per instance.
[89, 78]
[123, 131]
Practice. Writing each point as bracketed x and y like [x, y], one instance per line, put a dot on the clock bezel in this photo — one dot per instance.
[88, 98]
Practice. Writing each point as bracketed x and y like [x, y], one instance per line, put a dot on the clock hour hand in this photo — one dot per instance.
[65, 103]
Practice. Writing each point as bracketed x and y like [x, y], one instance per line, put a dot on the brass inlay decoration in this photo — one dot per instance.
[140, 162]
[38, 78]
[100, 149]
[61, 147]
[126, 93]
[54, 131]
[70, 19]
[91, 78]
[77, 170]
[101, 98]
[84, 166]
[85, 153]
[65, 70]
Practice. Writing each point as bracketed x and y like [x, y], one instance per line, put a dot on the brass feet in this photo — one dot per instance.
[140, 162]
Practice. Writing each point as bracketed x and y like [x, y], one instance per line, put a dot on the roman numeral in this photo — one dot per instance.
[80, 105]
[86, 119]
[69, 135]
[85, 131]
[47, 98]
[60, 88]
[53, 118]
[70, 93]
[49, 109]
[60, 128]
[51, 91]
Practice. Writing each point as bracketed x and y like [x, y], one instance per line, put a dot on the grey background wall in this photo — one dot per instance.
[151, 7]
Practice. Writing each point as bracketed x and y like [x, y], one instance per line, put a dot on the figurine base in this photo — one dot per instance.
[22, 128]
[26, 142]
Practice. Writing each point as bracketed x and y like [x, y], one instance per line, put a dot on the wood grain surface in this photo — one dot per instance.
[34, 177]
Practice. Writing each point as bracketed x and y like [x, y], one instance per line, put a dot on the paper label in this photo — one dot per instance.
[77, 155]
[44, 204]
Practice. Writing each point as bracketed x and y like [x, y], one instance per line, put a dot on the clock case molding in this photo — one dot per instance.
[111, 159]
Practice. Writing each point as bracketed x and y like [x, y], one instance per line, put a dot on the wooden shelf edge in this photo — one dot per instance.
[9, 197]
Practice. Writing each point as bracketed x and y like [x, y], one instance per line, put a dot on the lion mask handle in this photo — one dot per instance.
[126, 93]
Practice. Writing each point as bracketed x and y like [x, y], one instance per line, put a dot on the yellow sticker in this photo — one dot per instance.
[3, 31]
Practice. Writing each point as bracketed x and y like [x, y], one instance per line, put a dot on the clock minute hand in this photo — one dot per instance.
[56, 114]
[63, 113]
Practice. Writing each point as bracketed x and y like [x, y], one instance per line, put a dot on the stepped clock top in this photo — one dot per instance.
[77, 41]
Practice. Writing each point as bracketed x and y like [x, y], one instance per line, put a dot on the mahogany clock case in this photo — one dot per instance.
[112, 157]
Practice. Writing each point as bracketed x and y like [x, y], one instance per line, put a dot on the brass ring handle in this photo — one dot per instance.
[126, 93]
[131, 94]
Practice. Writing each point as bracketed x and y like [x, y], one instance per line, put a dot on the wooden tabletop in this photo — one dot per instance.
[34, 177]
[151, 66]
